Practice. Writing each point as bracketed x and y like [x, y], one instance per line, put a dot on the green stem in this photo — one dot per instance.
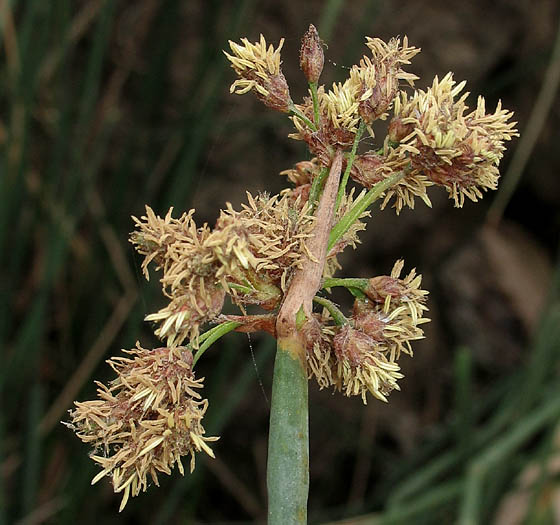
[361, 206]
[241, 288]
[349, 162]
[338, 317]
[288, 441]
[355, 282]
[297, 113]
[317, 187]
[355, 286]
[288, 449]
[315, 98]
[211, 336]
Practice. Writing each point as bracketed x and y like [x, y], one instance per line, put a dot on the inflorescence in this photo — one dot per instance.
[150, 416]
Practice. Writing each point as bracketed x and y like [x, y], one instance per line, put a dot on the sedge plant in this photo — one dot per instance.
[279, 253]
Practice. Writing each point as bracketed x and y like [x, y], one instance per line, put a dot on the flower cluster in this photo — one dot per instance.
[377, 78]
[258, 67]
[454, 149]
[361, 355]
[433, 140]
[365, 96]
[145, 420]
[248, 255]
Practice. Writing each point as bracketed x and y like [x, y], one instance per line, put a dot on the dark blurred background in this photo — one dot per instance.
[108, 105]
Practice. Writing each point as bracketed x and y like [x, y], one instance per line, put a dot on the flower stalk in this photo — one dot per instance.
[361, 206]
[349, 162]
[212, 335]
[297, 113]
[317, 187]
[315, 99]
[338, 317]
[288, 441]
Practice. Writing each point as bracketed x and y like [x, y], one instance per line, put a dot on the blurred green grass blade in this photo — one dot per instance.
[20, 249]
[424, 477]
[198, 123]
[27, 32]
[21, 363]
[540, 113]
[32, 462]
[356, 41]
[499, 451]
[463, 397]
[329, 18]
[30, 333]
[32, 34]
[498, 484]
[393, 488]
[4, 499]
[471, 500]
[209, 52]
[221, 416]
[423, 506]
[511, 440]
[90, 91]
[545, 479]
[525, 390]
[90, 88]
[545, 355]
[450, 461]
[77, 491]
[163, 39]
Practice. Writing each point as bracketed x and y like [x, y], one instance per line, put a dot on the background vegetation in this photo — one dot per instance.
[108, 105]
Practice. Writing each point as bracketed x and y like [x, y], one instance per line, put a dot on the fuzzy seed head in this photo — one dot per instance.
[258, 68]
[377, 78]
[362, 355]
[145, 420]
[452, 148]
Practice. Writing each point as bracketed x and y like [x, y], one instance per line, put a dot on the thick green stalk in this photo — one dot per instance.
[288, 454]
[288, 448]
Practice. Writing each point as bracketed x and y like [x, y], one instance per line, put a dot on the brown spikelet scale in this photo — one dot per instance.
[311, 56]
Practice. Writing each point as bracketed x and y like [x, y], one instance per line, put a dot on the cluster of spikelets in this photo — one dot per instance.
[366, 95]
[145, 420]
[360, 354]
[150, 416]
[431, 139]
[248, 255]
